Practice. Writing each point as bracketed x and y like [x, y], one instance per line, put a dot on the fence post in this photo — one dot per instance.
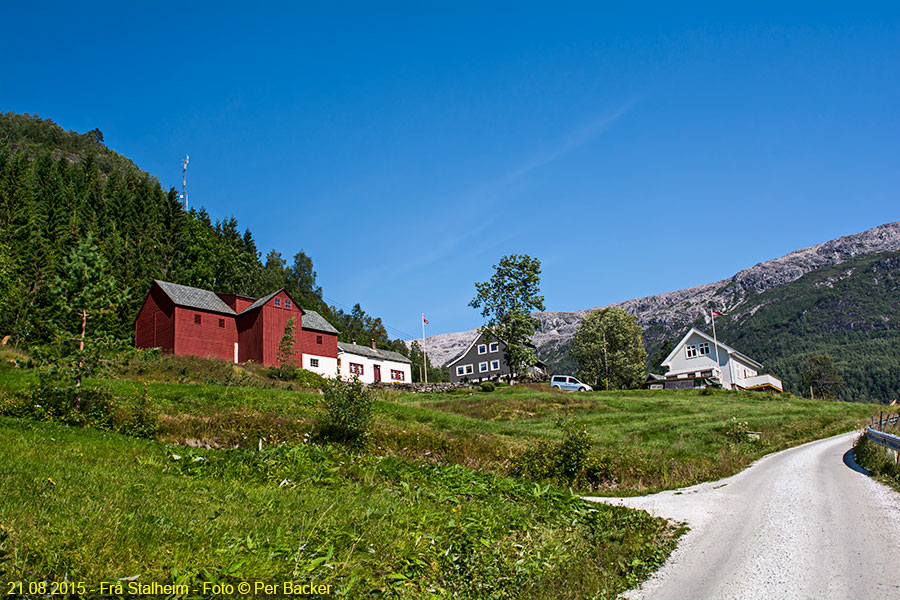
[881, 422]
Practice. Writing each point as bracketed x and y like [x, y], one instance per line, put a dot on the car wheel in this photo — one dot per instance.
[582, 389]
[554, 387]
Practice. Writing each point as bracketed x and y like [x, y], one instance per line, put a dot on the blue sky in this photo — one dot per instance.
[406, 147]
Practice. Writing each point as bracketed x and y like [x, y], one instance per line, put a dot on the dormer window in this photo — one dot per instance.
[277, 301]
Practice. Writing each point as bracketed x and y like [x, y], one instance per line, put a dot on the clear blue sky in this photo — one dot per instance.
[406, 148]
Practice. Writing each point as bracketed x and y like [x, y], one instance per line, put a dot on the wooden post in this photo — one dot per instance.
[811, 397]
[881, 422]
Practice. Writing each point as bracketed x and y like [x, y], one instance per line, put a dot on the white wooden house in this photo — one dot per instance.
[698, 358]
[372, 365]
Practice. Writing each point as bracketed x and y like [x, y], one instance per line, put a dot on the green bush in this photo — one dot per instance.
[304, 378]
[568, 460]
[348, 412]
[487, 386]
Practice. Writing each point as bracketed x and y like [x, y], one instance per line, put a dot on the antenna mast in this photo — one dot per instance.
[184, 165]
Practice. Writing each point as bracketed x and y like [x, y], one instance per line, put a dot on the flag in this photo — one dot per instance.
[718, 314]
[424, 320]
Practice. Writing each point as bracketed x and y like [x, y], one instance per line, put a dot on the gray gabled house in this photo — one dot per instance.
[484, 360]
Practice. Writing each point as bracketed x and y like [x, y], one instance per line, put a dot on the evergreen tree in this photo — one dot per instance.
[287, 364]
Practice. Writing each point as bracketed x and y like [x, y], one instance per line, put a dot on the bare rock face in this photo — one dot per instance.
[676, 310]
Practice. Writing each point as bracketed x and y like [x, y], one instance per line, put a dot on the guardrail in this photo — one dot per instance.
[881, 438]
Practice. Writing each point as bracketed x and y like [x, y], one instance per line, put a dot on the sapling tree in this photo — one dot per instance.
[287, 364]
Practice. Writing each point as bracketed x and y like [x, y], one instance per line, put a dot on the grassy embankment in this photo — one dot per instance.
[430, 510]
[880, 461]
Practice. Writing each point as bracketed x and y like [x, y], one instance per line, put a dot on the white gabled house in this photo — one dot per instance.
[697, 358]
[372, 365]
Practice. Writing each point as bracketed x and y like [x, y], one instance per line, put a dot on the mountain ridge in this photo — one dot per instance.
[664, 315]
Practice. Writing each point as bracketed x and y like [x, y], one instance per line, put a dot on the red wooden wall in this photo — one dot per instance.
[155, 325]
[274, 318]
[206, 338]
[328, 347]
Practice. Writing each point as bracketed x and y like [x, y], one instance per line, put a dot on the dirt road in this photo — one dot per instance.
[802, 523]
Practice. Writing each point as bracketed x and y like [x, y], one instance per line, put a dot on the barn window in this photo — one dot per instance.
[314, 362]
[277, 301]
[197, 319]
[318, 339]
[221, 323]
[287, 303]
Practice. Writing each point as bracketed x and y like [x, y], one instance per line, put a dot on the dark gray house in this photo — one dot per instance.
[483, 360]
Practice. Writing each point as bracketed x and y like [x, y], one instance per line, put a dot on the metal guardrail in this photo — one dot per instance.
[884, 439]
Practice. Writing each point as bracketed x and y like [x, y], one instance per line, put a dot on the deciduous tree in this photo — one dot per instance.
[609, 349]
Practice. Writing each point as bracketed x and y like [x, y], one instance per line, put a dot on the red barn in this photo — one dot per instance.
[191, 321]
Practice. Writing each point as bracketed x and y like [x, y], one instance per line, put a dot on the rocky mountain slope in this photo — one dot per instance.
[668, 315]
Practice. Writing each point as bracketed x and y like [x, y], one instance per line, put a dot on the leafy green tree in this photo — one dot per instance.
[88, 299]
[821, 377]
[609, 350]
[287, 364]
[506, 302]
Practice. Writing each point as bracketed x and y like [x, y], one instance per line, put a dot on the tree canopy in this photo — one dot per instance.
[609, 350]
[506, 302]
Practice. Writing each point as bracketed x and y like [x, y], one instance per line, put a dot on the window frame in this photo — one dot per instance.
[198, 319]
[483, 367]
[221, 323]
[702, 348]
[460, 370]
[690, 351]
[495, 362]
[357, 369]
[397, 375]
[494, 347]
[482, 349]
[287, 303]
[319, 339]
[314, 362]
[278, 302]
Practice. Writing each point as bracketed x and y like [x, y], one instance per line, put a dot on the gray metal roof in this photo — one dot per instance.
[260, 302]
[315, 321]
[376, 354]
[192, 297]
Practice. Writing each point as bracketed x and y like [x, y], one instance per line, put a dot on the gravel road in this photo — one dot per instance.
[803, 523]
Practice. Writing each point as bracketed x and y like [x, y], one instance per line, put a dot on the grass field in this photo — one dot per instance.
[231, 488]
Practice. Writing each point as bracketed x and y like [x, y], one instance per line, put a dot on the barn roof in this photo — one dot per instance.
[315, 321]
[261, 301]
[370, 353]
[191, 297]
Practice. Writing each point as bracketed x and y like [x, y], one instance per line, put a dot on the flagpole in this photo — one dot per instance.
[712, 315]
[424, 354]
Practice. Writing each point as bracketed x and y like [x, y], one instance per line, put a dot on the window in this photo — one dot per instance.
[495, 346]
[221, 323]
[460, 370]
[277, 301]
[469, 369]
[287, 303]
[356, 368]
[482, 367]
[314, 362]
[691, 351]
[704, 348]
[495, 365]
[197, 319]
[318, 339]
[482, 349]
[397, 375]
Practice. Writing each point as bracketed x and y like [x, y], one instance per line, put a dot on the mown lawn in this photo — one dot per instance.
[89, 505]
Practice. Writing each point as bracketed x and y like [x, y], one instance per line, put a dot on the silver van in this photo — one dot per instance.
[569, 383]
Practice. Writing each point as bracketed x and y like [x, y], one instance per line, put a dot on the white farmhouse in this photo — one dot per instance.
[372, 365]
[697, 358]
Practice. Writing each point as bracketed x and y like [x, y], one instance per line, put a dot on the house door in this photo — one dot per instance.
[376, 372]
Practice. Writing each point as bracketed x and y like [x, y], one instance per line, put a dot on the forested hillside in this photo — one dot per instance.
[58, 187]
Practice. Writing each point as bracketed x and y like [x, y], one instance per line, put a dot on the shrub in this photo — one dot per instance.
[348, 412]
[487, 386]
[567, 460]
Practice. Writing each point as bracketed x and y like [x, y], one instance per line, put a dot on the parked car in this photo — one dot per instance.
[567, 382]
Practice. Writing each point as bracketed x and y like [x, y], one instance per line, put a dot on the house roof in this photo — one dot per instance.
[370, 353]
[261, 301]
[711, 340]
[192, 297]
[315, 321]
